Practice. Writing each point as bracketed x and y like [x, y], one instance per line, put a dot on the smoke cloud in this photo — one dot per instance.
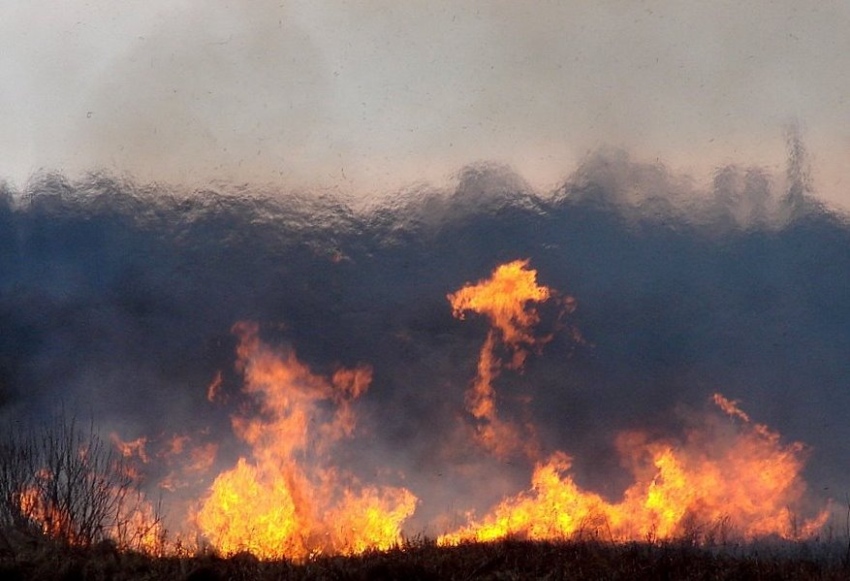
[118, 301]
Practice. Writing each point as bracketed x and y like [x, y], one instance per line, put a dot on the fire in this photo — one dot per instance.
[86, 506]
[139, 527]
[215, 387]
[132, 448]
[725, 477]
[722, 480]
[54, 521]
[188, 461]
[504, 298]
[507, 299]
[286, 500]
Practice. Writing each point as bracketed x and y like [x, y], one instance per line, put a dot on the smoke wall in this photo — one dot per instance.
[118, 302]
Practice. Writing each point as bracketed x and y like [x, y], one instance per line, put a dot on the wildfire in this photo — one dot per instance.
[52, 520]
[132, 448]
[507, 299]
[719, 483]
[725, 477]
[83, 502]
[287, 499]
[722, 480]
[215, 387]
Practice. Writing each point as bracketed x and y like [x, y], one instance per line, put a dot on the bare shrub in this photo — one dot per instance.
[16, 453]
[66, 483]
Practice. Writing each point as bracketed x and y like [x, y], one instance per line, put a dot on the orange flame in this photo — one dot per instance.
[730, 407]
[53, 521]
[215, 387]
[131, 448]
[720, 483]
[139, 527]
[731, 480]
[286, 500]
[134, 524]
[504, 298]
[188, 461]
[728, 477]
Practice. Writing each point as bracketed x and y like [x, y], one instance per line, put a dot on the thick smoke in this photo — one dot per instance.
[117, 302]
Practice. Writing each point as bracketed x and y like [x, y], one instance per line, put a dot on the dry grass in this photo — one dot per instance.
[423, 560]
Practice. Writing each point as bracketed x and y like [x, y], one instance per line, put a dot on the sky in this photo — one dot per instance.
[367, 97]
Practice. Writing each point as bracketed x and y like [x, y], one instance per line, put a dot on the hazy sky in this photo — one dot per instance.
[367, 96]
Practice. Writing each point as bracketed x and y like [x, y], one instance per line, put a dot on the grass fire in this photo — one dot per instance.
[398, 406]
[424, 290]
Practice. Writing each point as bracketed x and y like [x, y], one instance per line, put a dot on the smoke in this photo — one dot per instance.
[118, 299]
[365, 97]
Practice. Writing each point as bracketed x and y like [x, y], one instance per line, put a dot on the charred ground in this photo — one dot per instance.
[423, 561]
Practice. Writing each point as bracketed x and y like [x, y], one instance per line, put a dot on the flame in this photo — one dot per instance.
[131, 448]
[132, 525]
[503, 298]
[214, 388]
[189, 460]
[52, 520]
[722, 482]
[507, 299]
[286, 500]
[726, 477]
[139, 527]
[730, 407]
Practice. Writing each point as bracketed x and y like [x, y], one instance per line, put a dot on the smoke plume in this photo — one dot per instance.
[119, 300]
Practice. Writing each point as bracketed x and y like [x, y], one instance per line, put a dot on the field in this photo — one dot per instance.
[424, 560]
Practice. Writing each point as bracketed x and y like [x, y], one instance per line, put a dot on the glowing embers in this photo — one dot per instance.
[288, 499]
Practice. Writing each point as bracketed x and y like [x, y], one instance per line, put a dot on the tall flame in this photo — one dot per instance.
[723, 479]
[507, 298]
[286, 499]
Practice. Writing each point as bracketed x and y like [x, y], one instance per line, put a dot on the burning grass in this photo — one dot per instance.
[726, 498]
[424, 560]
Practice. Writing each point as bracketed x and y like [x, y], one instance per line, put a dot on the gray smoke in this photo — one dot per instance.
[117, 300]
